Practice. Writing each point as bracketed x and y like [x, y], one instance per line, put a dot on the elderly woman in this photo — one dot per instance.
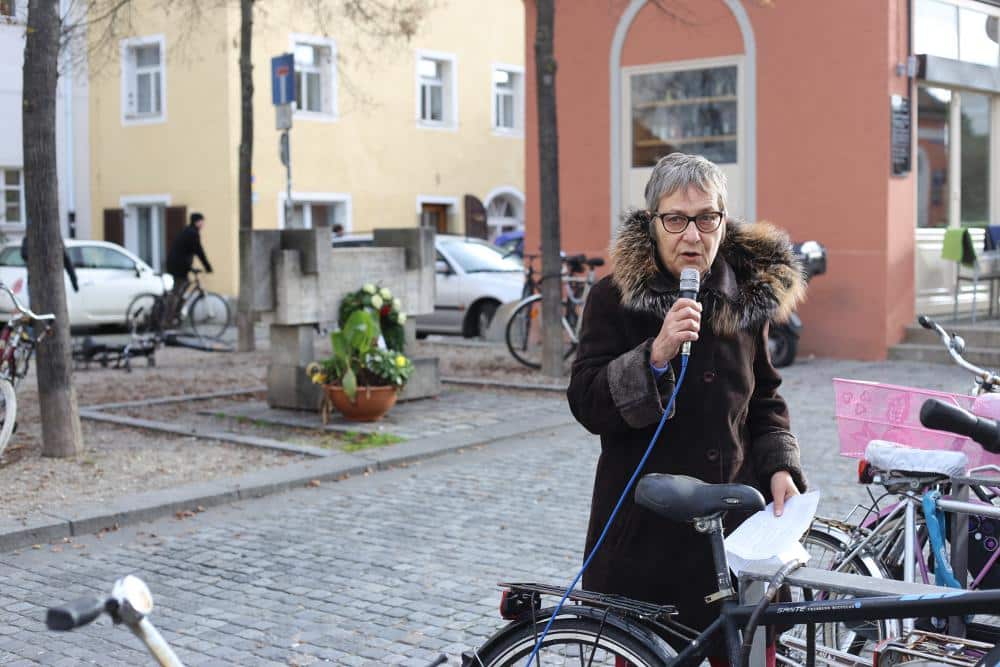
[729, 423]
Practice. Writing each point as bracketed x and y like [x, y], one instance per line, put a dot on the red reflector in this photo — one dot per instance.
[503, 605]
[18, 284]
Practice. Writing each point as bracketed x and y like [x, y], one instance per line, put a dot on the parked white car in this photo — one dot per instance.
[109, 277]
[473, 280]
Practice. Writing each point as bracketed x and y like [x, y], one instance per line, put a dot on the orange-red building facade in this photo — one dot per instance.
[793, 97]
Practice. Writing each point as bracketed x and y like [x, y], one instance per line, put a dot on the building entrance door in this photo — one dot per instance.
[954, 136]
[436, 216]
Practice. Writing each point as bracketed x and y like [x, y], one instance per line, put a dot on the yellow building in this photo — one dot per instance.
[386, 132]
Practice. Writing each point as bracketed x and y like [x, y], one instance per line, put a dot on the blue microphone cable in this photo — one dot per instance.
[614, 512]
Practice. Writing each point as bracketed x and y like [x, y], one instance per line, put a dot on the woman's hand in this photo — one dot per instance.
[681, 324]
[782, 488]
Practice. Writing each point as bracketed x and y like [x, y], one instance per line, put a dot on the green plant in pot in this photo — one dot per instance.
[360, 378]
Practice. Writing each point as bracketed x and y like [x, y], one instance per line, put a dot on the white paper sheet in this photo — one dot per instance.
[765, 537]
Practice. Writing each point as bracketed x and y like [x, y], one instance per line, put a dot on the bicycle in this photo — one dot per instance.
[895, 540]
[613, 630]
[524, 327]
[206, 313]
[17, 345]
[130, 602]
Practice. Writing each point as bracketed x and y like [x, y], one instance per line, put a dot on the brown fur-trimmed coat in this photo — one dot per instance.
[728, 424]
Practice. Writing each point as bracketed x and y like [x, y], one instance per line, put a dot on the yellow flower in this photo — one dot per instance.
[319, 378]
[400, 361]
[312, 368]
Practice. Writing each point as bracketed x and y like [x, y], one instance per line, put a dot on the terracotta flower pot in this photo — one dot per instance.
[369, 404]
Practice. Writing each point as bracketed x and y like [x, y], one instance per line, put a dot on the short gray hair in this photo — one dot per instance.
[680, 171]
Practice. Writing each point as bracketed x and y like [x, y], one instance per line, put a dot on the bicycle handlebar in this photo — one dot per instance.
[954, 344]
[75, 614]
[25, 311]
[942, 416]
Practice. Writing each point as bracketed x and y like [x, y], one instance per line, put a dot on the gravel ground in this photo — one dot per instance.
[118, 461]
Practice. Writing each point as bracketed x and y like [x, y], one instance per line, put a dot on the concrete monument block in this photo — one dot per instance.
[292, 345]
[258, 284]
[290, 387]
[424, 382]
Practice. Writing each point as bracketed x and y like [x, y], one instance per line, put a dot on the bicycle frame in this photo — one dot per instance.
[654, 625]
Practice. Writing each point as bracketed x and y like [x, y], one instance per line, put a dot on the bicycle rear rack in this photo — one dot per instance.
[645, 611]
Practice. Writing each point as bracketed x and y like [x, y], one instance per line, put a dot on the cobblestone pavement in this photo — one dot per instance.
[391, 568]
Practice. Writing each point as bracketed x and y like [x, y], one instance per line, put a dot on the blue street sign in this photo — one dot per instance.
[283, 79]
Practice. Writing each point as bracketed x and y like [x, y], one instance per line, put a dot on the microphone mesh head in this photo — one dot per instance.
[690, 280]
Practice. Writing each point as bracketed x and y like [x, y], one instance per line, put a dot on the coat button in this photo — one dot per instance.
[712, 455]
[708, 376]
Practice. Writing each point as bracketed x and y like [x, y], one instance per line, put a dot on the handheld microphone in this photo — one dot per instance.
[690, 279]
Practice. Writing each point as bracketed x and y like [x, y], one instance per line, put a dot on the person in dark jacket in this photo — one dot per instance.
[729, 423]
[180, 259]
[67, 263]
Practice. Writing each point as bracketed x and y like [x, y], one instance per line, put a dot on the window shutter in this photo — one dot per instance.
[176, 219]
[128, 74]
[328, 79]
[114, 226]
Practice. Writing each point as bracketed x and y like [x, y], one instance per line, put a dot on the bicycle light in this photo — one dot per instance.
[513, 604]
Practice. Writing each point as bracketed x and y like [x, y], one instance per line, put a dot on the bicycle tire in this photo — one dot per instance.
[8, 412]
[570, 640]
[209, 315]
[519, 333]
[860, 639]
[144, 314]
[523, 333]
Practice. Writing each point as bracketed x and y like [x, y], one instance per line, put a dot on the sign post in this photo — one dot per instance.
[283, 97]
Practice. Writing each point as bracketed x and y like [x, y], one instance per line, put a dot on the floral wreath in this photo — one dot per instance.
[388, 309]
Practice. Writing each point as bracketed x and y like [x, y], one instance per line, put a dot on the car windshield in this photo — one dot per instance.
[478, 256]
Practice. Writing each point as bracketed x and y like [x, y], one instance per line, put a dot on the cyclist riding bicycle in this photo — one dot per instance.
[730, 424]
[180, 259]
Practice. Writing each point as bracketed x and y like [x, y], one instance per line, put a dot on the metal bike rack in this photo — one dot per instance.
[754, 578]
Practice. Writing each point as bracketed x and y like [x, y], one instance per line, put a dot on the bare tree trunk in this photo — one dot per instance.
[548, 162]
[56, 395]
[244, 314]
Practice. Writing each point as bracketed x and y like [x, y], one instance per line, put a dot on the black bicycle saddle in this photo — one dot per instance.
[683, 498]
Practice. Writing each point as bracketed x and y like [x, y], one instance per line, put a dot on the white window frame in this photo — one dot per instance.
[129, 80]
[328, 77]
[449, 97]
[129, 204]
[518, 92]
[493, 224]
[12, 226]
[316, 198]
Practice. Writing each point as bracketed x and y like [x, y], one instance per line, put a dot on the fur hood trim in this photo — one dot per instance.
[755, 276]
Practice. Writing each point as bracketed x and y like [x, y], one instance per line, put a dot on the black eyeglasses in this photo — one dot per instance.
[675, 223]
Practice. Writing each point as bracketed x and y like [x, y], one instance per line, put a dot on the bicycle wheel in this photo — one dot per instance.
[570, 641]
[859, 638]
[209, 315]
[524, 333]
[144, 314]
[8, 412]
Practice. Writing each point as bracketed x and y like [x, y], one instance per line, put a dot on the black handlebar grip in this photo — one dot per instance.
[925, 322]
[942, 416]
[74, 614]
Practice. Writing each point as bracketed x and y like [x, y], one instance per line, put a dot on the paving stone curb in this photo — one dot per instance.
[504, 384]
[333, 466]
[209, 434]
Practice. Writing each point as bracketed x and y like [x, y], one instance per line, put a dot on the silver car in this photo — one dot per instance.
[472, 280]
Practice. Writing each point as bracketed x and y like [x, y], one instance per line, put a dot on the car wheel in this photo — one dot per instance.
[484, 317]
